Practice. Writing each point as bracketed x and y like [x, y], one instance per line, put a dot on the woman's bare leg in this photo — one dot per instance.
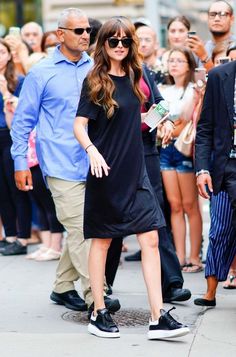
[96, 265]
[56, 241]
[151, 270]
[212, 284]
[46, 238]
[178, 224]
[187, 183]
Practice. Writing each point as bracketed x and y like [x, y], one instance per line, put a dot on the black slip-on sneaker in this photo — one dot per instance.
[205, 302]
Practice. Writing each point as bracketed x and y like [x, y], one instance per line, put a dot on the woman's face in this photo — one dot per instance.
[177, 34]
[177, 64]
[117, 50]
[5, 56]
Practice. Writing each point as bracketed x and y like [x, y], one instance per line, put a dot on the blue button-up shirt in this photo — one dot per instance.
[49, 100]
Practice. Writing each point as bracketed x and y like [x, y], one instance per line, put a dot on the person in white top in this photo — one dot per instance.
[177, 170]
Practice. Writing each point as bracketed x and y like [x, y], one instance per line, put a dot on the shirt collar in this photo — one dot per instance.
[231, 38]
[59, 57]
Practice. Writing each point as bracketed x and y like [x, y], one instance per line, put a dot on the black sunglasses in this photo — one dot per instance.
[113, 42]
[78, 30]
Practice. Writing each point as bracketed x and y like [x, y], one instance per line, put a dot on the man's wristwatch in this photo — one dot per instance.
[201, 172]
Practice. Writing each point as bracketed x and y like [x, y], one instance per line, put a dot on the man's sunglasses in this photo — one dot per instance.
[78, 30]
[113, 42]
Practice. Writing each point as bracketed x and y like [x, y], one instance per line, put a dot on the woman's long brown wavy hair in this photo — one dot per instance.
[101, 86]
[10, 73]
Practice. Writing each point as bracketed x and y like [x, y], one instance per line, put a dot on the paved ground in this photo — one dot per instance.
[32, 326]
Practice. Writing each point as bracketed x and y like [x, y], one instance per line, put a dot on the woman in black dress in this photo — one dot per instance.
[119, 199]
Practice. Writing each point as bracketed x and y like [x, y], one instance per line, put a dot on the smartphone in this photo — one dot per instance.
[192, 33]
[14, 31]
[223, 60]
[200, 76]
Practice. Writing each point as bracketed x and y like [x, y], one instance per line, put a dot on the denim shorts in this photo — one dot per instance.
[172, 159]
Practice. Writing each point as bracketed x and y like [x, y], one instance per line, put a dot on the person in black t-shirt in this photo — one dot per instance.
[119, 198]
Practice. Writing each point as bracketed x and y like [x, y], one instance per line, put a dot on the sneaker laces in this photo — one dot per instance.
[170, 319]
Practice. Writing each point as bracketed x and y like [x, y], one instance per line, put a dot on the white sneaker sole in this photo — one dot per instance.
[162, 334]
[95, 331]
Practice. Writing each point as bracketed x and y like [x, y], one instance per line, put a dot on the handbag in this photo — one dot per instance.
[185, 140]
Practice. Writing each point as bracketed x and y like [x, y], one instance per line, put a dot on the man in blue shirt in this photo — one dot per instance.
[49, 100]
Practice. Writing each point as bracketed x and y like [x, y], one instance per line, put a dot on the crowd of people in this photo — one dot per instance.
[80, 161]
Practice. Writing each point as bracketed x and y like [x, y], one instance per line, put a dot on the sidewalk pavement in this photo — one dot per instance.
[32, 326]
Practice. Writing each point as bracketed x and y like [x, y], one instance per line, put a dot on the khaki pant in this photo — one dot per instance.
[68, 197]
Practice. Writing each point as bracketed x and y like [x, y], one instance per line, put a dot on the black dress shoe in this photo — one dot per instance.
[177, 294]
[136, 257]
[205, 302]
[15, 248]
[70, 299]
[112, 305]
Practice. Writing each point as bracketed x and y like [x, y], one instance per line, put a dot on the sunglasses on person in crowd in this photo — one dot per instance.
[113, 42]
[221, 14]
[78, 30]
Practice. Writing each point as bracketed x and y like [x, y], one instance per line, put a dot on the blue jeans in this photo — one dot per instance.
[172, 159]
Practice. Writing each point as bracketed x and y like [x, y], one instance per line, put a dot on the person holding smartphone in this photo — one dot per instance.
[220, 21]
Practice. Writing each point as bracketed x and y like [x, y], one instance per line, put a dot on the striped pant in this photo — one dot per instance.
[222, 238]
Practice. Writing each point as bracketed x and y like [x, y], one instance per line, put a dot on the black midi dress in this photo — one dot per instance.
[123, 202]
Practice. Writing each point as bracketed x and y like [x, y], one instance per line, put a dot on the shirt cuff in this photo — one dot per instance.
[20, 164]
